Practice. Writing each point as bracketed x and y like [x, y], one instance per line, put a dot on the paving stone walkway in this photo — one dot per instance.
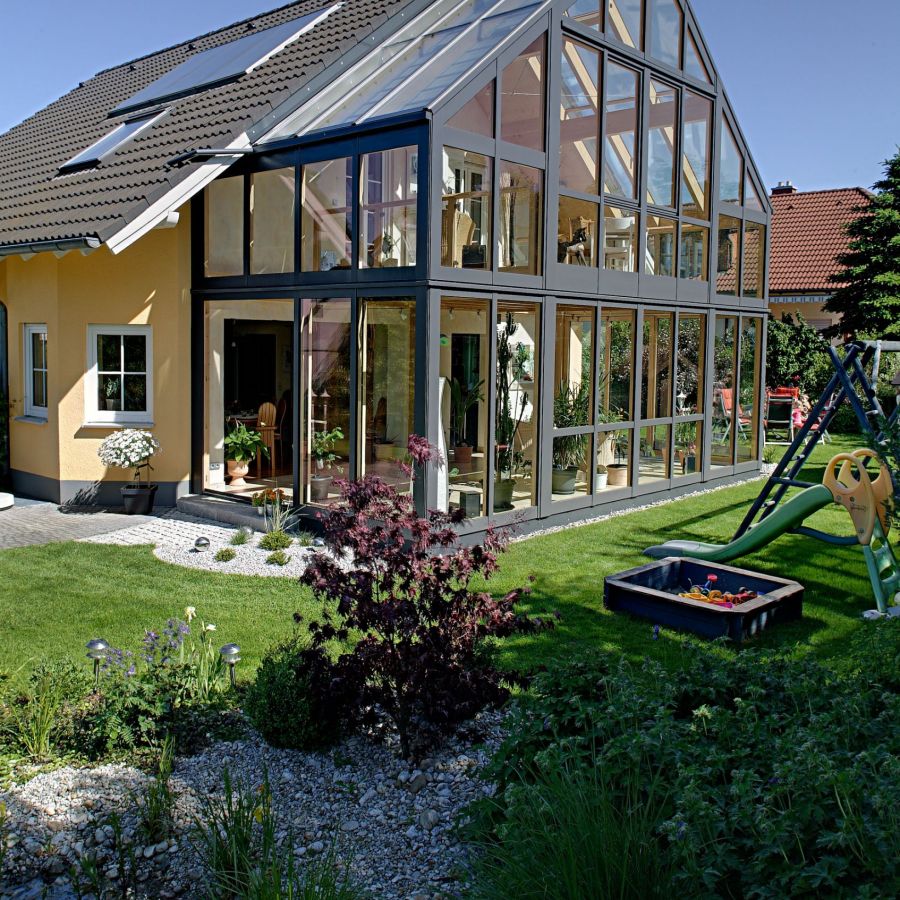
[32, 522]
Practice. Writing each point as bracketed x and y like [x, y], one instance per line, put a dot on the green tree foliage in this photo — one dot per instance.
[793, 345]
[869, 297]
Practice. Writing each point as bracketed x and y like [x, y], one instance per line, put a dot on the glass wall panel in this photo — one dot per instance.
[588, 13]
[688, 449]
[731, 168]
[570, 475]
[477, 116]
[522, 87]
[573, 364]
[724, 353]
[619, 164]
[249, 381]
[728, 255]
[694, 252]
[695, 156]
[326, 197]
[272, 221]
[466, 211]
[326, 349]
[388, 192]
[661, 144]
[224, 238]
[665, 32]
[624, 22]
[614, 378]
[690, 362]
[656, 371]
[620, 238]
[659, 258]
[654, 458]
[465, 347]
[576, 241]
[613, 460]
[387, 375]
[754, 259]
[579, 115]
[693, 64]
[751, 198]
[516, 397]
[747, 413]
[521, 218]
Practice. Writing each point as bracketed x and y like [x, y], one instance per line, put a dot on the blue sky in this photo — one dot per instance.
[813, 82]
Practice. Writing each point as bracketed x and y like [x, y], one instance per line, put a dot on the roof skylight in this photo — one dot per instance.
[111, 142]
[417, 66]
[220, 65]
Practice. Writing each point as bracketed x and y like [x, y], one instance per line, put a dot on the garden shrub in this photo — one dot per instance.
[278, 558]
[781, 776]
[296, 700]
[275, 540]
[410, 594]
[225, 554]
[240, 537]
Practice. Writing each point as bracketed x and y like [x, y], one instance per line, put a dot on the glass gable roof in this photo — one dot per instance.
[417, 66]
[221, 64]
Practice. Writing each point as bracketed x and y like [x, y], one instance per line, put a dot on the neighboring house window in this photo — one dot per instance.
[119, 383]
[36, 371]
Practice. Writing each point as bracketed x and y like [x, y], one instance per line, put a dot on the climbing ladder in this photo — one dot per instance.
[849, 382]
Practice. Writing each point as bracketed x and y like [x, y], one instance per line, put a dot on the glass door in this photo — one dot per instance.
[248, 423]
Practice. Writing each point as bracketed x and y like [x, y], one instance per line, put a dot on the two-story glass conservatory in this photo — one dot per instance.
[530, 231]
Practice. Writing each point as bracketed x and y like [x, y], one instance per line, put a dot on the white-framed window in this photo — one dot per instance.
[36, 371]
[119, 382]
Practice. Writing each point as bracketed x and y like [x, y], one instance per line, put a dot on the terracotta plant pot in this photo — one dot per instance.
[237, 471]
[617, 475]
[462, 455]
[138, 499]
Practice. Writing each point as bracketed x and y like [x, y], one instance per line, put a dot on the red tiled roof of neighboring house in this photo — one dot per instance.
[807, 236]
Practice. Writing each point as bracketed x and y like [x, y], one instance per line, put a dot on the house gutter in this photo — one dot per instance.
[30, 248]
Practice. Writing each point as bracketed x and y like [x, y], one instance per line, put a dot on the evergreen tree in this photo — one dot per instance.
[869, 297]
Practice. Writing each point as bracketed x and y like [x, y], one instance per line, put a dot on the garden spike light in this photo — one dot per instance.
[231, 653]
[96, 650]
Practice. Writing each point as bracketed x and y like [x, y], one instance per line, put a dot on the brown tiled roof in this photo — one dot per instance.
[37, 204]
[807, 235]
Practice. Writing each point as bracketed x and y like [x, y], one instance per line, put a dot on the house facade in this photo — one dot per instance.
[531, 231]
[808, 234]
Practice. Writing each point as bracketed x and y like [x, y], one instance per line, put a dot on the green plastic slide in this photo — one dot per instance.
[787, 516]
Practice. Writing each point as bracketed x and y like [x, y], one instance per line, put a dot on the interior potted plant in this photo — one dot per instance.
[617, 471]
[508, 416]
[322, 452]
[132, 448]
[571, 408]
[462, 398]
[111, 391]
[259, 502]
[241, 446]
[686, 446]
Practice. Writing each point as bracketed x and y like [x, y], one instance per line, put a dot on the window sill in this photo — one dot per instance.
[31, 420]
[117, 425]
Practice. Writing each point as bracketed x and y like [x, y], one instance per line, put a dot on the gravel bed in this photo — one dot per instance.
[392, 823]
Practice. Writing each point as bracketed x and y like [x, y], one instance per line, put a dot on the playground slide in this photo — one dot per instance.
[785, 517]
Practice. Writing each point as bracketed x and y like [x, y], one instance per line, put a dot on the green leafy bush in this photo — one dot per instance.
[305, 539]
[781, 777]
[275, 540]
[226, 554]
[278, 558]
[240, 537]
[294, 701]
[157, 802]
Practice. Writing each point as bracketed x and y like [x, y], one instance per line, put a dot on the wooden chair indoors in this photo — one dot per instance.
[266, 425]
[457, 231]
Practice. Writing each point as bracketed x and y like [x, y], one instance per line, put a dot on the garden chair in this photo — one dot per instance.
[726, 399]
[267, 425]
[779, 418]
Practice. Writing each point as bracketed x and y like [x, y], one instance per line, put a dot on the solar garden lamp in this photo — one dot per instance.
[96, 650]
[231, 653]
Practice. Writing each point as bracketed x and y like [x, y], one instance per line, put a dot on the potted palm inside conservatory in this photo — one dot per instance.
[571, 408]
[242, 445]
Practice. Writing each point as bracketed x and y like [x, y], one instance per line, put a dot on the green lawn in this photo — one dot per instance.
[56, 597]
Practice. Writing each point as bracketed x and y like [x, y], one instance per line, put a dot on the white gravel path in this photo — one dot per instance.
[174, 535]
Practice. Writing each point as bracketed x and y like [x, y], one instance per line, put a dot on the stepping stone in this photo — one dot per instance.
[6, 501]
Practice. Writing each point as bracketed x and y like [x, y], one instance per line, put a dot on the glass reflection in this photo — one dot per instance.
[661, 144]
[224, 227]
[728, 255]
[576, 241]
[620, 239]
[624, 22]
[665, 32]
[747, 413]
[272, 221]
[695, 156]
[621, 130]
[690, 362]
[731, 167]
[466, 213]
[388, 187]
[521, 214]
[522, 98]
[754, 259]
[579, 118]
[694, 252]
[614, 378]
[656, 371]
[326, 198]
[724, 353]
[477, 115]
[655, 465]
[688, 449]
[660, 256]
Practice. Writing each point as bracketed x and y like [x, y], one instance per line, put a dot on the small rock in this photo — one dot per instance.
[149, 851]
[350, 825]
[417, 783]
[428, 818]
[317, 846]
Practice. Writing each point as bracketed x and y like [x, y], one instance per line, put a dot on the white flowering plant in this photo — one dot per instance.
[130, 448]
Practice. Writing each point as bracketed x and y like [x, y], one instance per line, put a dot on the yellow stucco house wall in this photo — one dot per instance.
[148, 284]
